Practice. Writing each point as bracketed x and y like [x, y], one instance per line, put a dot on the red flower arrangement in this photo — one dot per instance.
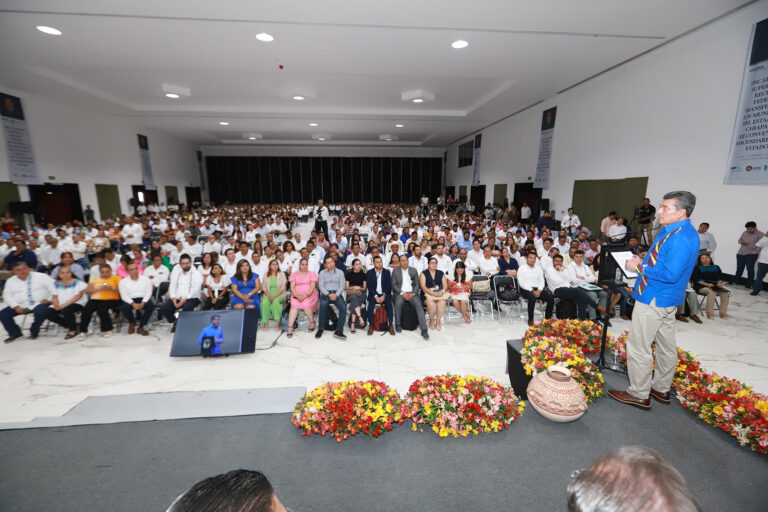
[460, 406]
[344, 409]
[583, 334]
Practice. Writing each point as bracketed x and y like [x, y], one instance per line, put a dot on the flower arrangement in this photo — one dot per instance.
[584, 334]
[344, 409]
[460, 406]
[540, 352]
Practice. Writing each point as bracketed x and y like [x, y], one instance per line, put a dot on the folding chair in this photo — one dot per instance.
[480, 298]
[501, 282]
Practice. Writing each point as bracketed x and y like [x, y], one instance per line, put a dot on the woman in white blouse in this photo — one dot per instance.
[217, 289]
[68, 298]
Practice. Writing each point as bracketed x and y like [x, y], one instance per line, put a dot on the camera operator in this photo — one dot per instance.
[645, 216]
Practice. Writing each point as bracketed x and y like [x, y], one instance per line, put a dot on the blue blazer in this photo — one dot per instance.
[386, 283]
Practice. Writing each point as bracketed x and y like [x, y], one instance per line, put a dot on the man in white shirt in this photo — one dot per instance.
[78, 248]
[468, 264]
[356, 255]
[321, 216]
[488, 265]
[444, 263]
[405, 287]
[25, 292]
[157, 273]
[50, 255]
[530, 279]
[561, 287]
[418, 261]
[191, 246]
[136, 294]
[580, 274]
[571, 223]
[525, 213]
[212, 245]
[184, 290]
[312, 264]
[243, 253]
[543, 249]
[297, 243]
[132, 232]
[229, 262]
[562, 244]
[259, 265]
[707, 242]
[476, 254]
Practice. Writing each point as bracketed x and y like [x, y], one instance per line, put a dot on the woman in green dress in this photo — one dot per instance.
[274, 293]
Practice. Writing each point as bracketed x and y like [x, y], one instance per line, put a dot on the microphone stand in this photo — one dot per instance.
[601, 362]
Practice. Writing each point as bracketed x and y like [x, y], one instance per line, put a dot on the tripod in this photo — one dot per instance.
[601, 362]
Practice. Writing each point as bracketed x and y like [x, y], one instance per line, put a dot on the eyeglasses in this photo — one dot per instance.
[575, 473]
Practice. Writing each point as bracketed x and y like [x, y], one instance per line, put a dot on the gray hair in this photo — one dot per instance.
[684, 199]
[630, 478]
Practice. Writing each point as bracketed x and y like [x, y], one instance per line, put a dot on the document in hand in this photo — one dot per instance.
[621, 258]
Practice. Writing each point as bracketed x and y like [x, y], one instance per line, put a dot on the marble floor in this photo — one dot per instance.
[49, 376]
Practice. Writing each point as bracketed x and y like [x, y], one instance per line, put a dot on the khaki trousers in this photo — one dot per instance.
[649, 324]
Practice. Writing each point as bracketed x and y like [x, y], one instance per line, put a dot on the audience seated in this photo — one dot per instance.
[216, 289]
[356, 294]
[530, 278]
[405, 288]
[104, 296]
[184, 290]
[25, 292]
[68, 299]
[273, 290]
[581, 274]
[330, 284]
[708, 281]
[434, 287]
[303, 294]
[136, 294]
[563, 288]
[245, 287]
[460, 288]
[379, 285]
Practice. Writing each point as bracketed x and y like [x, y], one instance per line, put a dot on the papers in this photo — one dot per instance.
[621, 258]
[590, 287]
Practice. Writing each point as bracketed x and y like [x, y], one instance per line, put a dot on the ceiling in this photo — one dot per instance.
[352, 60]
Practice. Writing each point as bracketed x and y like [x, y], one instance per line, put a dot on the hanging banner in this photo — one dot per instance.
[541, 179]
[748, 158]
[21, 161]
[203, 174]
[476, 160]
[146, 165]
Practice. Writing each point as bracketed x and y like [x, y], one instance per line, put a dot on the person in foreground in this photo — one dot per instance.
[660, 288]
[630, 478]
[240, 489]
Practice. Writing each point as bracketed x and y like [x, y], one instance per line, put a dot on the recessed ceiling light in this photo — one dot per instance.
[387, 139]
[298, 98]
[459, 43]
[399, 125]
[49, 30]
[321, 138]
[418, 100]
[251, 138]
[224, 123]
[312, 124]
[264, 37]
[172, 95]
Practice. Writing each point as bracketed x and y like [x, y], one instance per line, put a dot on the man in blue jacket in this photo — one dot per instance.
[662, 279]
[215, 335]
[379, 286]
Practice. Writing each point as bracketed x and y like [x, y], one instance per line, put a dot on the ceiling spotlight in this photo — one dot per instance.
[253, 136]
[399, 125]
[176, 91]
[418, 96]
[459, 44]
[49, 30]
[387, 139]
[264, 37]
[321, 136]
[418, 100]
[312, 124]
[224, 123]
[172, 95]
[298, 98]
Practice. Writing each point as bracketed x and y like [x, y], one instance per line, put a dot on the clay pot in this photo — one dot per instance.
[556, 396]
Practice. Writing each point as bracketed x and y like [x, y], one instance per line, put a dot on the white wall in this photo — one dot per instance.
[668, 115]
[86, 148]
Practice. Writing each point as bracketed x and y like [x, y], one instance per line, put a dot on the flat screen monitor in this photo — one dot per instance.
[215, 333]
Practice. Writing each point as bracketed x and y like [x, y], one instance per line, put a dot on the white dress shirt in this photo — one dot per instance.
[475, 257]
[132, 233]
[185, 285]
[130, 289]
[488, 266]
[420, 264]
[157, 275]
[212, 247]
[529, 277]
[707, 242]
[556, 279]
[444, 264]
[574, 271]
[37, 285]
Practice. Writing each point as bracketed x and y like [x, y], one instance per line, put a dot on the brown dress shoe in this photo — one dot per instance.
[660, 397]
[530, 323]
[131, 327]
[626, 398]
[602, 310]
[33, 336]
[142, 331]
[370, 331]
[681, 318]
[624, 317]
[696, 319]
[391, 330]
[173, 329]
[11, 339]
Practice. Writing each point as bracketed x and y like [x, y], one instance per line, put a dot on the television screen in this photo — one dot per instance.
[214, 333]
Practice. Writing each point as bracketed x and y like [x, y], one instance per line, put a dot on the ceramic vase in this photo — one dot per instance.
[556, 396]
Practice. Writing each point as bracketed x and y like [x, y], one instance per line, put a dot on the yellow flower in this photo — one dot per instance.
[718, 410]
[761, 406]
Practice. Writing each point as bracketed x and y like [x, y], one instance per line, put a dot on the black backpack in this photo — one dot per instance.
[506, 289]
[409, 320]
[565, 310]
[331, 320]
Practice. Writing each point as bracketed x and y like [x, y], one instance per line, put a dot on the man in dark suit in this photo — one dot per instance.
[379, 292]
[405, 287]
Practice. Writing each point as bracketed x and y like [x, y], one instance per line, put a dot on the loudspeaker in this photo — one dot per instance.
[544, 205]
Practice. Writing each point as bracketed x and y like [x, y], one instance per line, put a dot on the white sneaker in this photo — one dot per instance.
[107, 334]
[82, 336]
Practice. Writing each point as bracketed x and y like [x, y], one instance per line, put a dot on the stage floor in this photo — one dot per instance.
[49, 376]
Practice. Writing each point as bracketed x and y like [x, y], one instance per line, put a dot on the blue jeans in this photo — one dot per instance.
[322, 312]
[7, 314]
[745, 260]
[762, 270]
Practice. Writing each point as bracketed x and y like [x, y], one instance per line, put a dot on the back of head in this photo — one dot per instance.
[630, 479]
[239, 490]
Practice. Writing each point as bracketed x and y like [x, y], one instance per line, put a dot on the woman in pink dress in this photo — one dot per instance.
[303, 295]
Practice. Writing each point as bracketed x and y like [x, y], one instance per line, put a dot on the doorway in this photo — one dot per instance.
[477, 197]
[462, 194]
[171, 194]
[450, 191]
[57, 203]
[108, 198]
[142, 195]
[526, 193]
[499, 194]
[193, 196]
